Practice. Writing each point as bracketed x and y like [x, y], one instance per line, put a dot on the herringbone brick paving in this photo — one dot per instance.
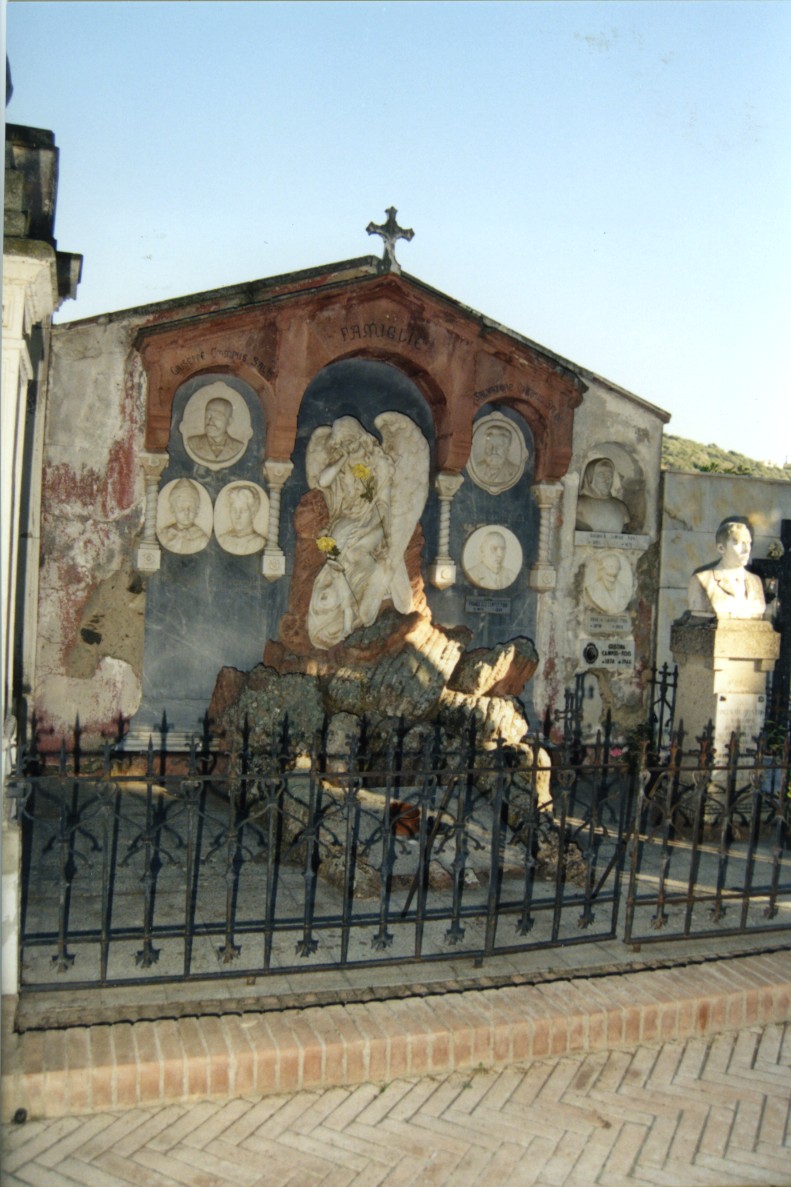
[714, 1111]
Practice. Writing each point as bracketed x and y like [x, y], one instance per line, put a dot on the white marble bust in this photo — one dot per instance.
[598, 509]
[726, 589]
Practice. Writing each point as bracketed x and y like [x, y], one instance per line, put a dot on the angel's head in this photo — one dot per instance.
[349, 436]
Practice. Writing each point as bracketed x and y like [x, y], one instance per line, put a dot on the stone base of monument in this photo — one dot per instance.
[722, 671]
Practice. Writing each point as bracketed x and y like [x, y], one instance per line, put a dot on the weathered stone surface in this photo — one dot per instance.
[409, 676]
[493, 717]
[260, 701]
[111, 625]
[499, 671]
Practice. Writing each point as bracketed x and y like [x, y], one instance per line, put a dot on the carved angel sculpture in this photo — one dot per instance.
[375, 494]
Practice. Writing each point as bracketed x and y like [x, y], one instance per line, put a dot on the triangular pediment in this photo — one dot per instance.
[277, 335]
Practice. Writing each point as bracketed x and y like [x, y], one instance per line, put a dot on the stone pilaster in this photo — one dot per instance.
[442, 573]
[149, 554]
[273, 564]
[543, 574]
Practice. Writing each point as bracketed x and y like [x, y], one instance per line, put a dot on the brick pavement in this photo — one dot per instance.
[712, 1110]
[127, 1065]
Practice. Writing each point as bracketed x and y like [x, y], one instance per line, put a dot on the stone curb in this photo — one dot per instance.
[81, 1070]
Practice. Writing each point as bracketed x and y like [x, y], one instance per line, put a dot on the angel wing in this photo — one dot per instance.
[317, 454]
[407, 449]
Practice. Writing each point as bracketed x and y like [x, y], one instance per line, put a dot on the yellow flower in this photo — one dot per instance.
[327, 544]
[365, 475]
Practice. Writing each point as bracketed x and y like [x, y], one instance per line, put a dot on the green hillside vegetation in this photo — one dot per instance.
[678, 453]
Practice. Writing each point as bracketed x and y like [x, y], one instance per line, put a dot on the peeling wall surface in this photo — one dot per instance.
[694, 505]
[195, 468]
[91, 599]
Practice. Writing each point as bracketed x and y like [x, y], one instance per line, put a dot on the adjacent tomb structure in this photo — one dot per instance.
[724, 646]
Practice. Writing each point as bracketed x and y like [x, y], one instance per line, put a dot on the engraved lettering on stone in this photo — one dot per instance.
[375, 493]
[634, 542]
[184, 516]
[405, 335]
[492, 557]
[724, 589]
[612, 654]
[609, 582]
[498, 455]
[216, 426]
[598, 508]
[487, 605]
[241, 518]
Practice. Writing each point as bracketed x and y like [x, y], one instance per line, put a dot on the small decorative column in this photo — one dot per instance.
[149, 554]
[273, 564]
[543, 575]
[442, 573]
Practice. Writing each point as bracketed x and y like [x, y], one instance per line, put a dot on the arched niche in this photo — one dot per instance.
[362, 388]
[207, 606]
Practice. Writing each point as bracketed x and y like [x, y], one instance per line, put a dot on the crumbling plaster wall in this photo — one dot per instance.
[90, 637]
[607, 417]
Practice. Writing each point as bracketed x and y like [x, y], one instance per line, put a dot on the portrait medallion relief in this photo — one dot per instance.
[609, 582]
[492, 557]
[216, 426]
[241, 518]
[498, 455]
[184, 516]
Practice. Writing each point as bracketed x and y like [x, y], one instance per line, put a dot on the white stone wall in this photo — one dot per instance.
[30, 295]
[609, 422]
[693, 507]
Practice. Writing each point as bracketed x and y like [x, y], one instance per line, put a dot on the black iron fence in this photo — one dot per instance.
[226, 862]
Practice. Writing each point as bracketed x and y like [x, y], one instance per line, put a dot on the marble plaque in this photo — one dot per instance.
[216, 426]
[609, 653]
[739, 713]
[492, 557]
[608, 624]
[241, 518]
[487, 605]
[498, 455]
[612, 540]
[184, 516]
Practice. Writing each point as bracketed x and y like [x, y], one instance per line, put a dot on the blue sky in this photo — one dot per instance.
[612, 180]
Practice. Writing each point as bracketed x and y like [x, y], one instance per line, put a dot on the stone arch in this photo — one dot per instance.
[170, 364]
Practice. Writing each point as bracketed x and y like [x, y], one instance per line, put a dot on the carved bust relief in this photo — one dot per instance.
[184, 516]
[498, 455]
[375, 491]
[726, 589]
[609, 582]
[216, 426]
[492, 557]
[598, 508]
[241, 518]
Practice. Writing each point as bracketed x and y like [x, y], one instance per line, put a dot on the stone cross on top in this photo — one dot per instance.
[390, 232]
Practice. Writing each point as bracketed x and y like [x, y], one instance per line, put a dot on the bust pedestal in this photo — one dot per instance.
[722, 669]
